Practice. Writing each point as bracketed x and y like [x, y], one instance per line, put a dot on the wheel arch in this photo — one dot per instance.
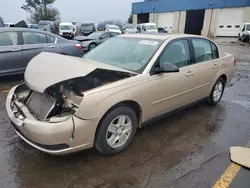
[224, 77]
[129, 103]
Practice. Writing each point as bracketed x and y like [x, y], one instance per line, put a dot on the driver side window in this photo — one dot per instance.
[177, 53]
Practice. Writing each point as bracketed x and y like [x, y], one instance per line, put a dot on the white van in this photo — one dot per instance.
[244, 34]
[67, 29]
[113, 28]
[147, 28]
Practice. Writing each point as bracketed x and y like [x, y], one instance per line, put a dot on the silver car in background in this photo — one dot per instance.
[18, 46]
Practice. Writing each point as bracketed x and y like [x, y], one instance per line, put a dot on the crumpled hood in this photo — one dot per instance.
[47, 69]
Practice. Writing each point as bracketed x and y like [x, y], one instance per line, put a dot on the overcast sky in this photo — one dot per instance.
[73, 10]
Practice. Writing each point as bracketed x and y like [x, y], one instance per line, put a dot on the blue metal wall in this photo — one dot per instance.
[176, 5]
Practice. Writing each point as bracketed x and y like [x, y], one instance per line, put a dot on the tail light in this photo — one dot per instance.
[235, 62]
[79, 46]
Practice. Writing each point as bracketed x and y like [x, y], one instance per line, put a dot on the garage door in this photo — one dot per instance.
[229, 21]
[166, 19]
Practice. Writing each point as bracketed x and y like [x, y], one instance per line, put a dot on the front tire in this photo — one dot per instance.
[116, 131]
[217, 92]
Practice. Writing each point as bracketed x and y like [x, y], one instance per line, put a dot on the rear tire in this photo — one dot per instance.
[113, 136]
[92, 46]
[217, 92]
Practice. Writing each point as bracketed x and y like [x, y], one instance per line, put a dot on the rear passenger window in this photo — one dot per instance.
[34, 38]
[176, 53]
[8, 39]
[214, 51]
[114, 34]
[202, 50]
[51, 39]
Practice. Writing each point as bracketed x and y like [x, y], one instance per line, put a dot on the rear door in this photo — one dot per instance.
[205, 66]
[10, 53]
[105, 36]
[35, 43]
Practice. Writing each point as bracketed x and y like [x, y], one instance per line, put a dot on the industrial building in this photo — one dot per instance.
[202, 17]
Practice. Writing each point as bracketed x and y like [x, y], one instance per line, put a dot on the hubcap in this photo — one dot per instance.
[119, 131]
[218, 90]
[92, 46]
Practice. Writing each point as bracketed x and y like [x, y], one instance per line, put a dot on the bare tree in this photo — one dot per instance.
[41, 10]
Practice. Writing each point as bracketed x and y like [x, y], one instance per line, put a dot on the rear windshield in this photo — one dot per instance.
[87, 27]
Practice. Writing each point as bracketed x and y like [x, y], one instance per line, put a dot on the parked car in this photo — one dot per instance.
[100, 100]
[9, 24]
[88, 28]
[147, 28]
[67, 30]
[129, 29]
[162, 30]
[48, 26]
[113, 28]
[33, 26]
[93, 40]
[244, 35]
[18, 46]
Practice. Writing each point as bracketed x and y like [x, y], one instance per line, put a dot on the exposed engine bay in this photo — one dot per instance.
[64, 98]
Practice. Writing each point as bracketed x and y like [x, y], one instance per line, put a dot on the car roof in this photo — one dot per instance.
[2, 29]
[159, 36]
[22, 29]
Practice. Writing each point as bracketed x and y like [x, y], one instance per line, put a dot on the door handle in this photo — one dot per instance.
[215, 66]
[52, 46]
[189, 74]
[15, 49]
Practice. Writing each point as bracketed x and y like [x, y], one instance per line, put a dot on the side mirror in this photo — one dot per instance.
[166, 68]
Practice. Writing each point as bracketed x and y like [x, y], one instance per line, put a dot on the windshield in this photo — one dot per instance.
[150, 27]
[130, 27]
[34, 26]
[87, 27]
[132, 54]
[66, 27]
[114, 27]
[248, 27]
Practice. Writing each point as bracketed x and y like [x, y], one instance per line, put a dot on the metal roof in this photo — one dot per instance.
[182, 5]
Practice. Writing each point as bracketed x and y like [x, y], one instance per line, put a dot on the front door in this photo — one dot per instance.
[171, 90]
[10, 53]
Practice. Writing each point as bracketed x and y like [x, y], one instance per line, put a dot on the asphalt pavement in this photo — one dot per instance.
[187, 149]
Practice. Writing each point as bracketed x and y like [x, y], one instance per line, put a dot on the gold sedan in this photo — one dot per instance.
[69, 104]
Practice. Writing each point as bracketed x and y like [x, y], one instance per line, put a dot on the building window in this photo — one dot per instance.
[237, 26]
[229, 26]
[221, 26]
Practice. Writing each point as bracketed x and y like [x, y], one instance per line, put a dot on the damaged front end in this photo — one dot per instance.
[42, 110]
[63, 99]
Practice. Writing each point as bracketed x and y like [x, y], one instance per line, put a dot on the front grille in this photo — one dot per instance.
[41, 104]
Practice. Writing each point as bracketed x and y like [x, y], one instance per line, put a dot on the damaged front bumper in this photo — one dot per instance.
[70, 135]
